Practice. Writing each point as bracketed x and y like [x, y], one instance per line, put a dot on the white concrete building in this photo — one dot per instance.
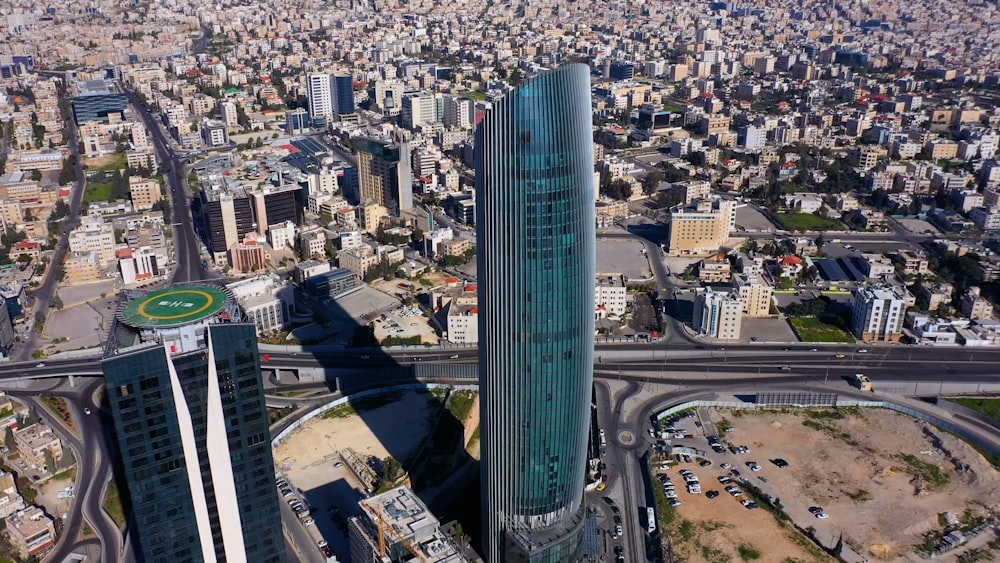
[611, 296]
[718, 315]
[266, 301]
[878, 313]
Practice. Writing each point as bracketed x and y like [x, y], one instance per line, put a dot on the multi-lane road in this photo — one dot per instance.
[695, 370]
[186, 246]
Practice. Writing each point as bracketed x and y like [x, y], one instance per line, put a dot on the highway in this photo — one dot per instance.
[695, 370]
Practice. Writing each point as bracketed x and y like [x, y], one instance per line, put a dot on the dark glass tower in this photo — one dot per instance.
[535, 220]
[191, 423]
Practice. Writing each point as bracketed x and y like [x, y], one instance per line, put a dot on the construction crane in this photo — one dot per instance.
[382, 526]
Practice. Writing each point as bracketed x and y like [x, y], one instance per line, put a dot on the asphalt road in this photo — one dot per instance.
[43, 295]
[93, 471]
[186, 246]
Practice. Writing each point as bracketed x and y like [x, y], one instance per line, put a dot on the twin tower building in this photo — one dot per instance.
[183, 374]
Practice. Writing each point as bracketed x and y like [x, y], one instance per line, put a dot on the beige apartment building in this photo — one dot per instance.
[81, 268]
[145, 192]
[34, 441]
[455, 246]
[700, 228]
[358, 260]
[755, 295]
[975, 306]
[94, 236]
[369, 215]
[31, 532]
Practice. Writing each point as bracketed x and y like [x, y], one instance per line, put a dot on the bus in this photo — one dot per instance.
[651, 517]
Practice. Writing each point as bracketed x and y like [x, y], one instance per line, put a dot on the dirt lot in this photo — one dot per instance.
[720, 529]
[881, 476]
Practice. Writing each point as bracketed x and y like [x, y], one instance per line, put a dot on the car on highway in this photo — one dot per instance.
[453, 357]
[839, 356]
[366, 357]
[40, 365]
[863, 351]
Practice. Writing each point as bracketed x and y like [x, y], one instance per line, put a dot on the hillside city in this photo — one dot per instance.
[789, 173]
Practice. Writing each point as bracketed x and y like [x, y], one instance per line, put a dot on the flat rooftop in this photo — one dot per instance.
[173, 306]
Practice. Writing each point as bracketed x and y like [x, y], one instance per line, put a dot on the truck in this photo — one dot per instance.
[650, 519]
[862, 382]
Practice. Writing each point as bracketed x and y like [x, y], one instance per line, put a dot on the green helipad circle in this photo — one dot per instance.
[174, 306]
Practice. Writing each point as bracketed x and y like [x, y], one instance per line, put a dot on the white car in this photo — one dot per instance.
[822, 515]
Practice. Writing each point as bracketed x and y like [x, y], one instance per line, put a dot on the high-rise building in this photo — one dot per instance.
[384, 174]
[718, 315]
[227, 216]
[535, 214]
[230, 116]
[276, 204]
[319, 96]
[342, 89]
[184, 385]
[878, 312]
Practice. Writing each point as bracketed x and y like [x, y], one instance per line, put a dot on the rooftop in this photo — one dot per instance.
[173, 306]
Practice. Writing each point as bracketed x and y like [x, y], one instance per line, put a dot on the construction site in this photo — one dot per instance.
[396, 526]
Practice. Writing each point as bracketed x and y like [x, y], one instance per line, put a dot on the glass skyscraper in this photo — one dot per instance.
[188, 406]
[535, 219]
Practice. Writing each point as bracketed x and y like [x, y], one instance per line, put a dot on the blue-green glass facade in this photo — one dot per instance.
[149, 427]
[535, 253]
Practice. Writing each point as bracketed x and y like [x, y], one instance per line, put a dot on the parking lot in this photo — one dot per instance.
[622, 256]
[879, 491]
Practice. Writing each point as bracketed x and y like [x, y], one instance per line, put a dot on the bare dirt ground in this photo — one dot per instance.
[375, 432]
[715, 530]
[881, 476]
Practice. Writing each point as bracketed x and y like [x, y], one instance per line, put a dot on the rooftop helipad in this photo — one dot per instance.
[173, 306]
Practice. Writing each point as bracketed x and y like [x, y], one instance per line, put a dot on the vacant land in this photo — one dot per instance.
[808, 222]
[882, 477]
[720, 530]
[114, 161]
[812, 329]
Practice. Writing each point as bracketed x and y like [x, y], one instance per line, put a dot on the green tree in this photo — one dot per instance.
[36, 175]
[651, 181]
[60, 210]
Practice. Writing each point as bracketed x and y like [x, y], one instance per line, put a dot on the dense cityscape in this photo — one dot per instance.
[385, 282]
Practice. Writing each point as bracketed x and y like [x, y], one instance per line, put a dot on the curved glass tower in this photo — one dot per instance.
[535, 252]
